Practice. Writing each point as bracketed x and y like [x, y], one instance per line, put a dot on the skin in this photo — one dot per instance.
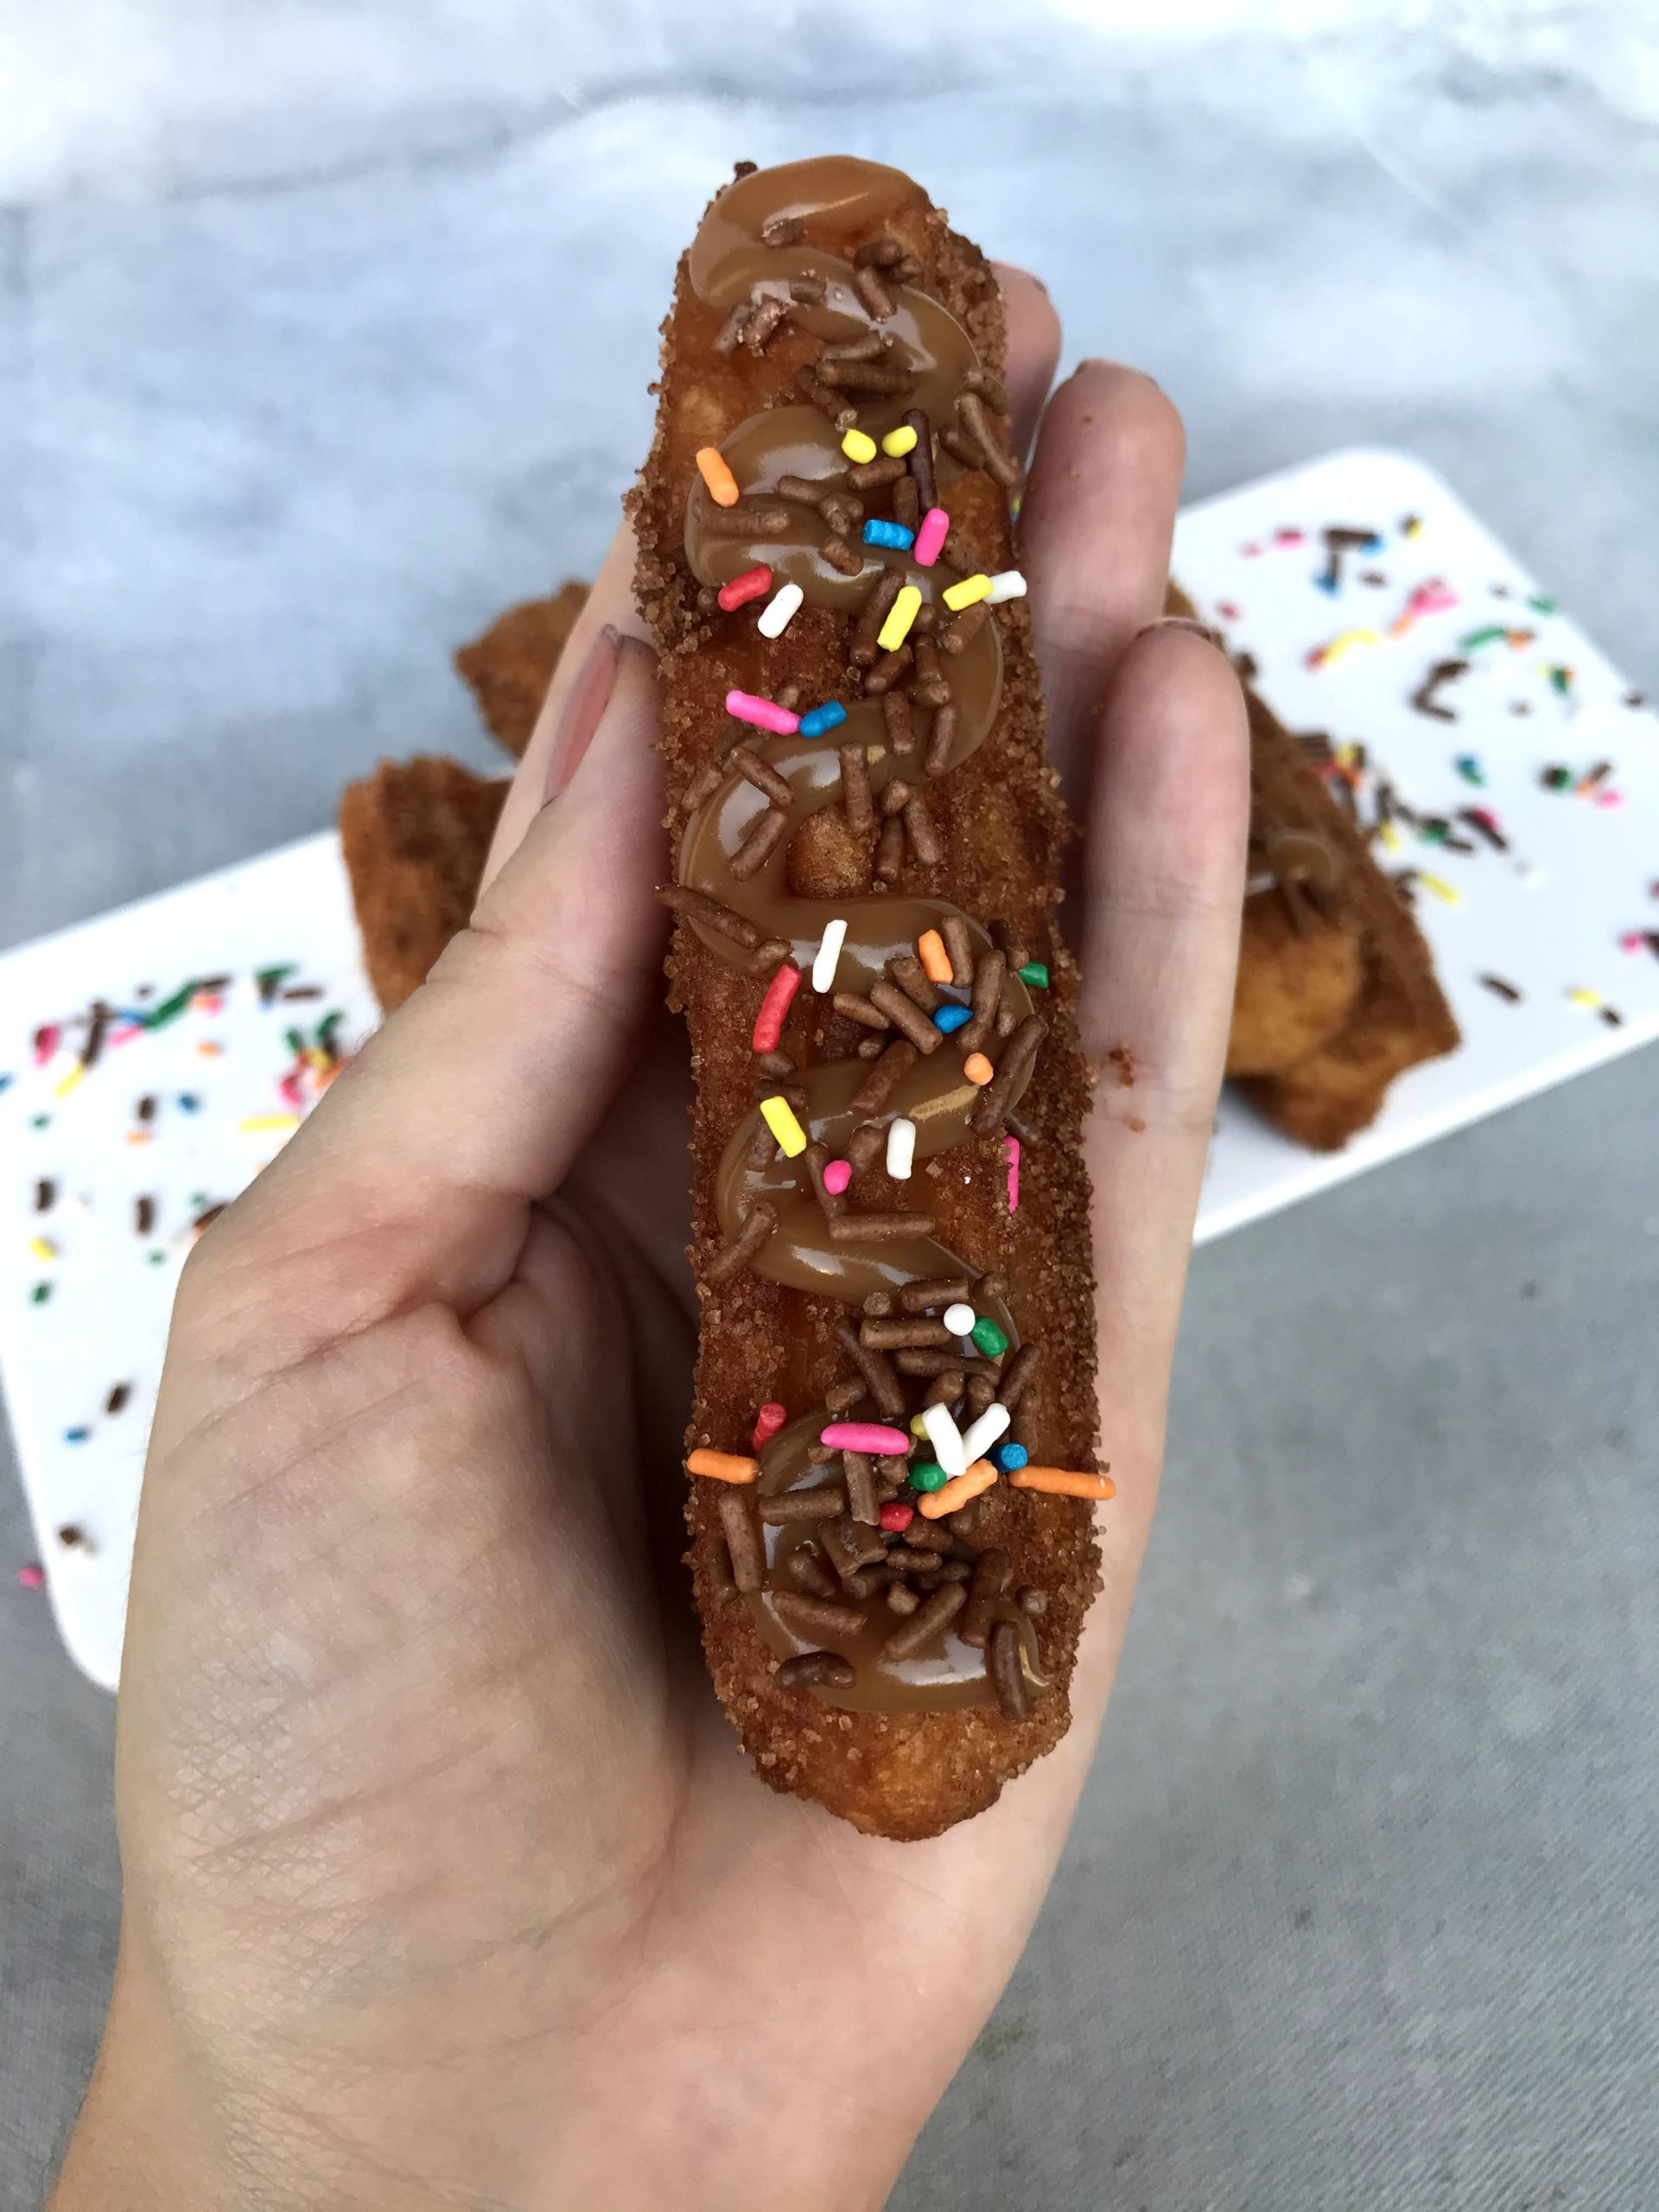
[447, 1883]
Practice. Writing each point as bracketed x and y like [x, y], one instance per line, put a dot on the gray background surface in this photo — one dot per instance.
[324, 331]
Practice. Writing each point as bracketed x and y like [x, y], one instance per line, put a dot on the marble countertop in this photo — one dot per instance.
[325, 334]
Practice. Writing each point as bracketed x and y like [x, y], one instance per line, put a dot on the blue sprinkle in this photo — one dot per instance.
[830, 716]
[1327, 584]
[949, 1018]
[76, 1435]
[5, 1080]
[189, 1101]
[892, 534]
[1007, 1457]
[1373, 545]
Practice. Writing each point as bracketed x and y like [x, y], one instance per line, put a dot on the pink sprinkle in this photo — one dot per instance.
[837, 1174]
[935, 529]
[870, 1436]
[32, 1578]
[1610, 798]
[896, 1518]
[1011, 1154]
[767, 1422]
[1287, 537]
[46, 1043]
[764, 714]
[1632, 941]
[1227, 610]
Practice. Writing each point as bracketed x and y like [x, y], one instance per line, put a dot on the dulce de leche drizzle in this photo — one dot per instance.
[950, 1675]
[830, 206]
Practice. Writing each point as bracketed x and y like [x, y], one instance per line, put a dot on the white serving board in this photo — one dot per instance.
[1567, 915]
[166, 1123]
[1552, 917]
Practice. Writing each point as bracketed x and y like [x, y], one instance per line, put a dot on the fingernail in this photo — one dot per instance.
[1181, 622]
[578, 718]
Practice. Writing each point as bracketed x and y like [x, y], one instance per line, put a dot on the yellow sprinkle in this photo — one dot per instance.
[918, 1425]
[1346, 644]
[1346, 756]
[255, 1123]
[1392, 840]
[956, 596]
[1413, 526]
[1443, 890]
[896, 628]
[779, 1117]
[858, 445]
[899, 442]
[42, 1247]
[67, 1084]
[1589, 999]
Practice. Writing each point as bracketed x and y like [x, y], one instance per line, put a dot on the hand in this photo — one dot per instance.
[447, 1883]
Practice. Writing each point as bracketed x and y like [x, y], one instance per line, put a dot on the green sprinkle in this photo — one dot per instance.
[40, 1293]
[1472, 640]
[156, 1259]
[927, 1474]
[169, 1009]
[1541, 603]
[328, 1025]
[40, 1120]
[269, 978]
[1561, 680]
[1034, 972]
[988, 1338]
[1434, 833]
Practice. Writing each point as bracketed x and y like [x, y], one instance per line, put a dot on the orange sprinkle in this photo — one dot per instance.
[724, 1467]
[936, 961]
[934, 1504]
[722, 484]
[1059, 1483]
[209, 1050]
[977, 1068]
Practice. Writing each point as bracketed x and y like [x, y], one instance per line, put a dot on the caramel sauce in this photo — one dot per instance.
[841, 202]
[949, 1676]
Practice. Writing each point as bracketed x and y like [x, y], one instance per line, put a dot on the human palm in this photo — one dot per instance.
[446, 1881]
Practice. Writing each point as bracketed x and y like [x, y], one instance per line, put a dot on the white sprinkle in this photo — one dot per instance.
[1008, 583]
[945, 1438]
[829, 952]
[983, 1433]
[902, 1147]
[959, 1319]
[778, 612]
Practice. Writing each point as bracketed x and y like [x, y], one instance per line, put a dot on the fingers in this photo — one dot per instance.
[411, 1180]
[1094, 538]
[1164, 865]
[610, 604]
[1033, 331]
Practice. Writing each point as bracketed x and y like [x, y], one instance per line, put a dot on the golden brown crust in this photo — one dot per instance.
[1328, 1011]
[508, 669]
[415, 835]
[903, 1774]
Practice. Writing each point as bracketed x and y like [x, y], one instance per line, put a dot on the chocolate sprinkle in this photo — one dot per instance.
[748, 1565]
[742, 1248]
[1008, 1674]
[815, 1670]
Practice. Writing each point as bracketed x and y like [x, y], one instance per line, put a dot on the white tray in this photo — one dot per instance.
[1552, 917]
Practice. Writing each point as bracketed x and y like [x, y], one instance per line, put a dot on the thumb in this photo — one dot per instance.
[476, 1095]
